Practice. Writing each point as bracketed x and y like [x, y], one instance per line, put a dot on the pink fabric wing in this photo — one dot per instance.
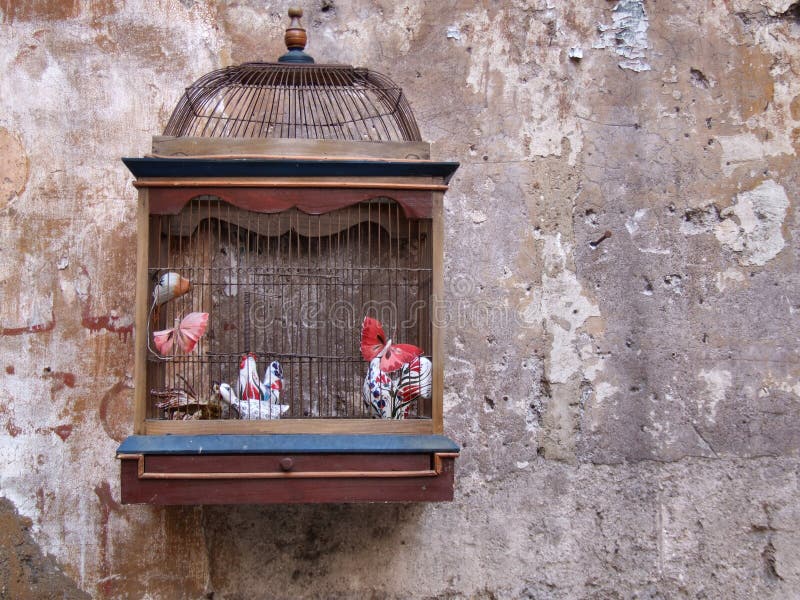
[163, 340]
[191, 329]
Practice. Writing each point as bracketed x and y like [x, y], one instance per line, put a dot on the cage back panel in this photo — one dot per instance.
[295, 288]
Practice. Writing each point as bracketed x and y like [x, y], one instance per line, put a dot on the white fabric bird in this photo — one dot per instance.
[249, 383]
[272, 384]
[170, 285]
[227, 411]
[390, 395]
[251, 410]
[377, 390]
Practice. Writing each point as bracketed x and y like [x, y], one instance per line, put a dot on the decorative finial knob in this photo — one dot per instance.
[295, 39]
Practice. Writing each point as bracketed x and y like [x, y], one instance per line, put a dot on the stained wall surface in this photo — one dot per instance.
[623, 365]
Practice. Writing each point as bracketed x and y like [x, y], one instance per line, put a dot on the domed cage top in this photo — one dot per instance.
[272, 100]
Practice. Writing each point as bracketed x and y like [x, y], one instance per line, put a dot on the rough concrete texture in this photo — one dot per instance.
[24, 572]
[622, 243]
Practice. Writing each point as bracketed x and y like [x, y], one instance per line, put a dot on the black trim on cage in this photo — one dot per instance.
[249, 167]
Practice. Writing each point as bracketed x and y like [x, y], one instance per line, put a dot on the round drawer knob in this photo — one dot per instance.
[287, 464]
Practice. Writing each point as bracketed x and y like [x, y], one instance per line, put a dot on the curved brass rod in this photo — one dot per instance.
[437, 470]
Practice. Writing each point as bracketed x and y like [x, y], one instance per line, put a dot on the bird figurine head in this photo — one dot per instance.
[170, 285]
[248, 357]
[226, 393]
[249, 382]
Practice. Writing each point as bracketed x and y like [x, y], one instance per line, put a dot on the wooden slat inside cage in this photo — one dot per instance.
[293, 288]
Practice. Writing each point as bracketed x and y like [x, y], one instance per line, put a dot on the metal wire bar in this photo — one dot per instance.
[294, 297]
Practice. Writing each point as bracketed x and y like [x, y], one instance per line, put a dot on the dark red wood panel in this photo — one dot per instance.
[294, 490]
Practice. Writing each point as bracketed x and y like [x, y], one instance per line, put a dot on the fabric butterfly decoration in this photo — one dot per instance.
[374, 344]
[186, 333]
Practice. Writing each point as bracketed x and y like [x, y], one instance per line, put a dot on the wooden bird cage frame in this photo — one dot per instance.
[287, 242]
[298, 245]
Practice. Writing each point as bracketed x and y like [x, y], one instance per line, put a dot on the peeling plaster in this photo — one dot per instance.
[562, 308]
[604, 390]
[627, 36]
[477, 217]
[745, 148]
[752, 227]
[777, 7]
[646, 232]
[700, 219]
[13, 167]
[26, 307]
[791, 386]
[662, 430]
[535, 125]
[403, 23]
[730, 277]
[717, 382]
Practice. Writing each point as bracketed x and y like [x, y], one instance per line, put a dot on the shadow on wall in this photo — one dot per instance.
[306, 537]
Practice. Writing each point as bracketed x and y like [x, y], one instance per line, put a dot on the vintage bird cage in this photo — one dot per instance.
[285, 203]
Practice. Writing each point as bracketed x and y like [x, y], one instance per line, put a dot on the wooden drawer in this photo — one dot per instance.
[277, 465]
[287, 477]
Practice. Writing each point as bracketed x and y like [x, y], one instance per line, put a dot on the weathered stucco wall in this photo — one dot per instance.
[622, 243]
